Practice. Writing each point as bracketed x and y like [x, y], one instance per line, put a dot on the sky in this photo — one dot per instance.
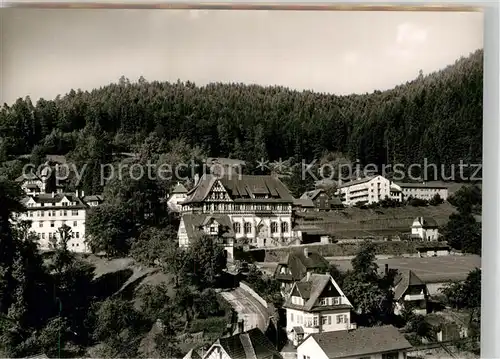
[45, 52]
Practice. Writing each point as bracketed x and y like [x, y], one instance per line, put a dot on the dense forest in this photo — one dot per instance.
[437, 117]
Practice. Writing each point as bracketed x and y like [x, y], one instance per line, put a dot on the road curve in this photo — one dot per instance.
[253, 313]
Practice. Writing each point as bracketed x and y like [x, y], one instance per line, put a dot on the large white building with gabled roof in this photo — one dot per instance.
[257, 208]
[48, 212]
[316, 304]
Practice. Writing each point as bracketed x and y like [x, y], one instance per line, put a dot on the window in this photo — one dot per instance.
[50, 235]
[393, 355]
[53, 213]
[315, 321]
[43, 235]
[323, 301]
[52, 223]
[237, 227]
[284, 227]
[248, 227]
[77, 235]
[329, 320]
[342, 318]
[213, 229]
[42, 213]
[74, 223]
[40, 224]
[324, 320]
[336, 301]
[274, 227]
[74, 213]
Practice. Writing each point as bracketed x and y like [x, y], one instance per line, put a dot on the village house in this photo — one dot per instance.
[410, 291]
[295, 267]
[316, 304]
[424, 191]
[48, 212]
[425, 228]
[321, 200]
[437, 250]
[252, 344]
[178, 195]
[368, 190]
[259, 208]
[303, 205]
[385, 342]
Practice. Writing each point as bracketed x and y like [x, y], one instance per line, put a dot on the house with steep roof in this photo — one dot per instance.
[296, 265]
[425, 228]
[410, 291]
[321, 200]
[178, 195]
[194, 226]
[385, 342]
[258, 207]
[252, 344]
[316, 304]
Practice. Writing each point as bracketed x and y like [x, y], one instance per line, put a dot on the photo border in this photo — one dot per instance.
[490, 288]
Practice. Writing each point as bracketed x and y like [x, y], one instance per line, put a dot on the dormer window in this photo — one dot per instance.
[213, 229]
[324, 301]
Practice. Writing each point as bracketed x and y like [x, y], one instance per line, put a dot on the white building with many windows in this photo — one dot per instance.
[48, 212]
[366, 190]
[423, 191]
[257, 210]
[316, 304]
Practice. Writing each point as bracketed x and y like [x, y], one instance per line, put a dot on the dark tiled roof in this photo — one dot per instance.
[310, 290]
[242, 188]
[57, 197]
[194, 223]
[405, 279]
[92, 198]
[299, 264]
[192, 355]
[419, 185]
[312, 194]
[427, 222]
[361, 341]
[252, 344]
[303, 202]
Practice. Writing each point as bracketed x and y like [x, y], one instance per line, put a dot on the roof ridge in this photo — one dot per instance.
[247, 345]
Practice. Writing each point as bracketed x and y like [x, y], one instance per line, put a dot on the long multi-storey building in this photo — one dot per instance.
[425, 191]
[366, 190]
[254, 210]
[48, 212]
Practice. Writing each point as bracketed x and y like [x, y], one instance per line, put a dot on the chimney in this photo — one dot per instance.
[386, 268]
[306, 252]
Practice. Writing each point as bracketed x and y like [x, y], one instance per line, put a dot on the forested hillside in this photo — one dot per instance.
[438, 117]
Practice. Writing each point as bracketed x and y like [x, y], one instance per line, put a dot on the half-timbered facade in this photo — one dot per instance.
[259, 208]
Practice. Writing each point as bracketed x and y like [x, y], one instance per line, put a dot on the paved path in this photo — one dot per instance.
[248, 308]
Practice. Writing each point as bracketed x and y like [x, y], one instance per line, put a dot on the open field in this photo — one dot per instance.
[355, 222]
[430, 270]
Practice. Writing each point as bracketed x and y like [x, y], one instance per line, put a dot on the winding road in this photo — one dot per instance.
[253, 313]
